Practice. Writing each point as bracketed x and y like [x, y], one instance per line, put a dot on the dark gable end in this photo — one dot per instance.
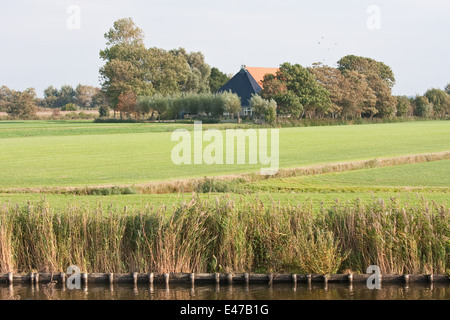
[244, 85]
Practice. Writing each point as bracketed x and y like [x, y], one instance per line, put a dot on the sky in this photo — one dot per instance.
[57, 42]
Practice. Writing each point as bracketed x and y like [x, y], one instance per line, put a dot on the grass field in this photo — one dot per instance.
[85, 154]
[408, 183]
[393, 213]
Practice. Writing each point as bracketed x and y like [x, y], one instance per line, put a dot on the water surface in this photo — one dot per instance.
[226, 292]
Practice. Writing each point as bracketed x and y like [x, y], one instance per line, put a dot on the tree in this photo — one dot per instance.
[423, 107]
[5, 97]
[335, 83]
[127, 103]
[404, 106]
[125, 57]
[447, 88]
[264, 109]
[22, 104]
[199, 71]
[440, 100]
[99, 100]
[217, 79]
[380, 79]
[296, 91]
[51, 95]
[84, 96]
[231, 103]
[168, 73]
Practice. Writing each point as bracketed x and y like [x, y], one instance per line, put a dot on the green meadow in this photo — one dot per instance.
[40, 154]
[349, 216]
[57, 154]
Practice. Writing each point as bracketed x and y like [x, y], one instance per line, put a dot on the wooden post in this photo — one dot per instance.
[309, 278]
[135, 278]
[36, 278]
[111, 278]
[230, 278]
[32, 278]
[62, 278]
[326, 277]
[294, 278]
[85, 278]
[151, 278]
[167, 278]
[192, 277]
[350, 278]
[217, 278]
[406, 278]
[430, 278]
[270, 276]
[10, 278]
[247, 278]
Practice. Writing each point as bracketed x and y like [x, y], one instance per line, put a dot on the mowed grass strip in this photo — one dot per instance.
[428, 175]
[136, 158]
[318, 200]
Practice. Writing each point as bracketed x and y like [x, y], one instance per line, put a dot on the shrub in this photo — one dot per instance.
[69, 107]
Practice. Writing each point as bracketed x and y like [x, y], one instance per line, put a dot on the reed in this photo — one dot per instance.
[227, 236]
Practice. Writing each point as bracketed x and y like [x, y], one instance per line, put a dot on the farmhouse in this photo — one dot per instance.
[246, 82]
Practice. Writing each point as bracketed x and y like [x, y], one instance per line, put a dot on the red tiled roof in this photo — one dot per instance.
[259, 73]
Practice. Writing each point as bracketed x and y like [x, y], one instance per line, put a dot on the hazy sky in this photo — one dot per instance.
[38, 49]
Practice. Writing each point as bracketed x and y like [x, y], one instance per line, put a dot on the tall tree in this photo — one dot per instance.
[51, 95]
[422, 107]
[217, 79]
[84, 96]
[168, 73]
[199, 71]
[22, 104]
[127, 103]
[404, 106]
[5, 97]
[440, 100]
[447, 88]
[380, 79]
[297, 91]
[124, 58]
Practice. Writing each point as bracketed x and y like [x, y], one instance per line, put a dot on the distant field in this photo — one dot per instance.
[407, 183]
[425, 176]
[78, 153]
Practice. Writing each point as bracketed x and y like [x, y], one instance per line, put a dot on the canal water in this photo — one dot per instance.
[225, 292]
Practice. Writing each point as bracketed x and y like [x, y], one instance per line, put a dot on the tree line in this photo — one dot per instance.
[153, 83]
[358, 87]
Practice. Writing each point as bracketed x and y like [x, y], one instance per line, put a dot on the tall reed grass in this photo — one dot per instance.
[227, 236]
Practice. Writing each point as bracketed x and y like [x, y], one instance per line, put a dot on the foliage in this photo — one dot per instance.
[380, 79]
[217, 79]
[104, 111]
[423, 107]
[69, 107]
[22, 104]
[296, 92]
[404, 107]
[264, 109]
[440, 100]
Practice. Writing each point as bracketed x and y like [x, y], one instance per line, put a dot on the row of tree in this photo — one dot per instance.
[131, 67]
[171, 106]
[24, 104]
[358, 87]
